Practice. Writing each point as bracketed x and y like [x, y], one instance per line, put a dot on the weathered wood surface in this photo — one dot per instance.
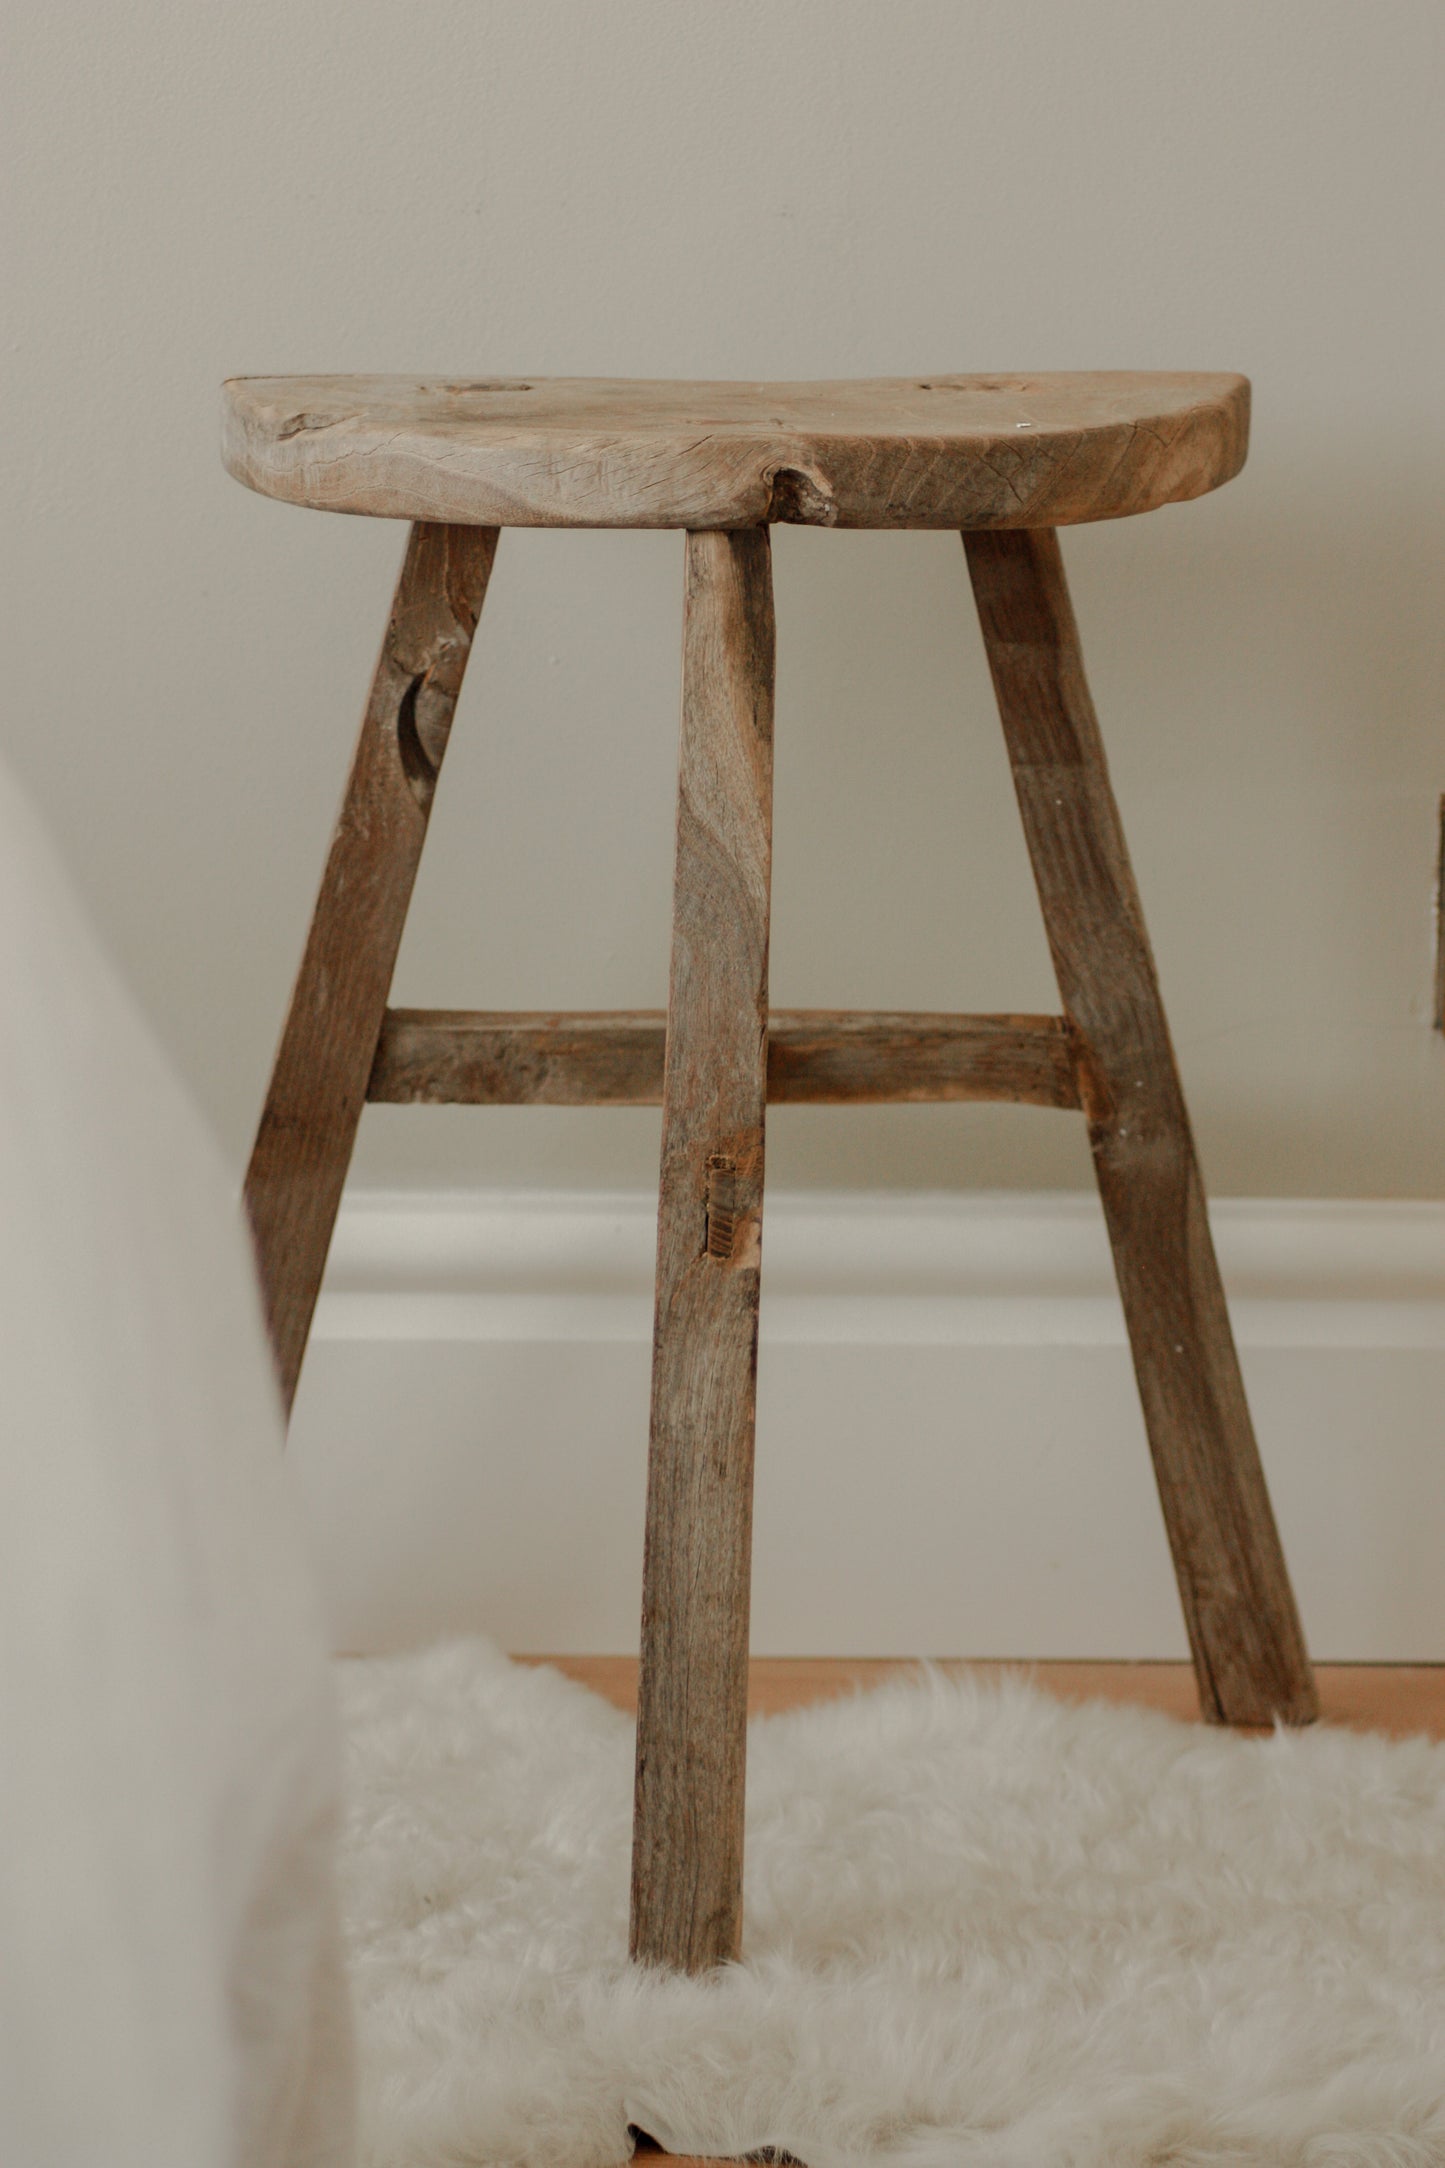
[471, 1057]
[926, 451]
[692, 1724]
[318, 1086]
[1243, 1627]
[1438, 1016]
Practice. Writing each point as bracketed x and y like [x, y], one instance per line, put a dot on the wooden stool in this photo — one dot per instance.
[1006, 460]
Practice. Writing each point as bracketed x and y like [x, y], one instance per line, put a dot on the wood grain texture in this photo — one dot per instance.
[1438, 1005]
[692, 1725]
[441, 1057]
[1243, 1627]
[318, 1085]
[926, 451]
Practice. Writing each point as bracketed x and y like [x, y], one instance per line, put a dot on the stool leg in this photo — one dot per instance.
[318, 1086]
[1249, 1652]
[687, 1853]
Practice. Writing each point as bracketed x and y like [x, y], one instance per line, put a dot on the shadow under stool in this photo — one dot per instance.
[1005, 460]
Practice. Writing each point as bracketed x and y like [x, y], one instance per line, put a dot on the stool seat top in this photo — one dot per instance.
[926, 451]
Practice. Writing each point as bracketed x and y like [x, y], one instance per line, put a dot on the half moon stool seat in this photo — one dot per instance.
[1006, 460]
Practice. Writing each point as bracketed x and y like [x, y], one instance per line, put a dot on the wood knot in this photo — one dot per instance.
[799, 499]
[296, 425]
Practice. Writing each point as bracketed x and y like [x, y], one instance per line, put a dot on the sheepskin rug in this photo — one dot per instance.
[983, 1930]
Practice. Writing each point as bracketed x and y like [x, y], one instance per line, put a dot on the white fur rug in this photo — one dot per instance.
[983, 1930]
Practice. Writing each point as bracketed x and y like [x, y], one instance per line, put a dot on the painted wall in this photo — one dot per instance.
[950, 1452]
[750, 187]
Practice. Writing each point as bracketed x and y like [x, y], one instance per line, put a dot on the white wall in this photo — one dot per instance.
[951, 1458]
[750, 187]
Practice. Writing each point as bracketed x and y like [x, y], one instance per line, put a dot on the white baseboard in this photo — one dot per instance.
[950, 1454]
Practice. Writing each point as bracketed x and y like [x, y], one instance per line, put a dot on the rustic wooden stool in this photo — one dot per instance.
[1007, 460]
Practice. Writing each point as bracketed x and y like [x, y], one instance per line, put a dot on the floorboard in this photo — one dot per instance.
[1398, 1699]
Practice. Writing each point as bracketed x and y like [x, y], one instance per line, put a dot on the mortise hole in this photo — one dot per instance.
[722, 1229]
[720, 1206]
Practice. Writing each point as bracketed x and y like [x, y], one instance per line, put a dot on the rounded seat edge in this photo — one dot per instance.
[938, 452]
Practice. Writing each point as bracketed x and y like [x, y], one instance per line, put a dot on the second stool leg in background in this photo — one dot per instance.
[318, 1085]
[1249, 1652]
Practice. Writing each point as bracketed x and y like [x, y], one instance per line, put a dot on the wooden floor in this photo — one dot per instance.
[1400, 1699]
[1394, 1698]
